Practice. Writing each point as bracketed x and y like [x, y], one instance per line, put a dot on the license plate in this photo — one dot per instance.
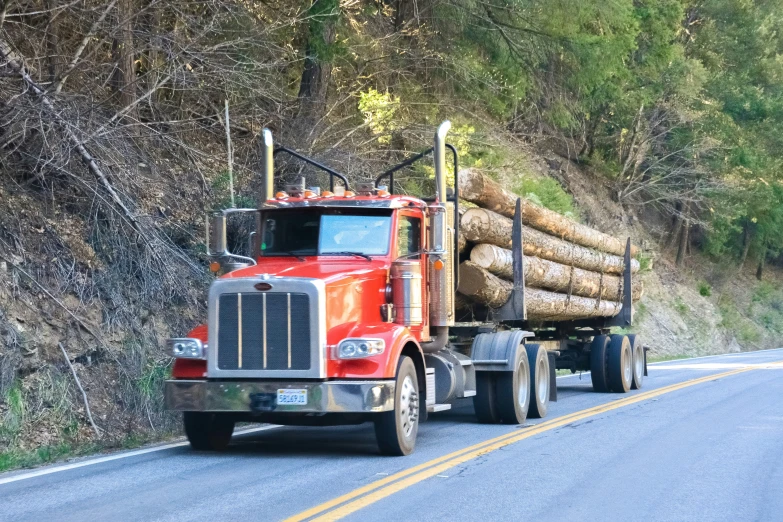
[292, 396]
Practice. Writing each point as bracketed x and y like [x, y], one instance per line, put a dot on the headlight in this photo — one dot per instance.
[358, 348]
[187, 348]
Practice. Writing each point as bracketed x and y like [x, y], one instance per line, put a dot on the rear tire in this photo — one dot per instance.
[538, 360]
[513, 392]
[620, 364]
[396, 430]
[484, 402]
[598, 363]
[637, 350]
[207, 431]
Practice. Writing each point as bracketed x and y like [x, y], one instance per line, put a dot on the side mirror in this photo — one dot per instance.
[216, 240]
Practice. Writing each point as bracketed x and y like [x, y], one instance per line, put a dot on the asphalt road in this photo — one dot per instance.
[680, 449]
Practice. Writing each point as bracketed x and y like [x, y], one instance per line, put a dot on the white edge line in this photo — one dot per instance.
[108, 458]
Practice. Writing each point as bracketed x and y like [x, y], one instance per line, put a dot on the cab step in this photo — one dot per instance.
[433, 408]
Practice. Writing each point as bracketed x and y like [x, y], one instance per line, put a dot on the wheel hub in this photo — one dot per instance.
[409, 406]
[542, 376]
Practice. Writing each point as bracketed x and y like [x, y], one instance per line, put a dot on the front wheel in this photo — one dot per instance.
[207, 431]
[396, 430]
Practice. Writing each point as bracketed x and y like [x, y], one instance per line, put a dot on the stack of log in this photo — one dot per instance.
[571, 270]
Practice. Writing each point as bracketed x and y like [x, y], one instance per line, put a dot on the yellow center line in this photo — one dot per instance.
[382, 488]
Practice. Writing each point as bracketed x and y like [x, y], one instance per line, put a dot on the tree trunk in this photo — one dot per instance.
[686, 226]
[762, 262]
[52, 42]
[317, 67]
[484, 226]
[745, 245]
[557, 277]
[485, 288]
[123, 49]
[487, 193]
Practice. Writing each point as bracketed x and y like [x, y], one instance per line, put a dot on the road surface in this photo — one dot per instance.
[702, 441]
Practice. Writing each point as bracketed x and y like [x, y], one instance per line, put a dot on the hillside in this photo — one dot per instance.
[637, 118]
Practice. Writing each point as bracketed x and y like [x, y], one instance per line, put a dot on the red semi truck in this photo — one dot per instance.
[343, 313]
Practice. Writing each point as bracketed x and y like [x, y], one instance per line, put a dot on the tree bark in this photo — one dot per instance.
[686, 226]
[317, 68]
[123, 48]
[479, 225]
[487, 193]
[52, 42]
[485, 288]
[745, 245]
[762, 262]
[541, 273]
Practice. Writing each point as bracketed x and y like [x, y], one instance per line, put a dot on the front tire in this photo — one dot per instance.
[538, 360]
[207, 431]
[396, 430]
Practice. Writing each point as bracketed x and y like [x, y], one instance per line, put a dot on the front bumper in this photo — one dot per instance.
[260, 396]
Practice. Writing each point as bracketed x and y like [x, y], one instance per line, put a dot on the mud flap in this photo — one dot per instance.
[553, 378]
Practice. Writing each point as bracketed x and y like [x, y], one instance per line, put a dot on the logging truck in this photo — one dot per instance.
[364, 305]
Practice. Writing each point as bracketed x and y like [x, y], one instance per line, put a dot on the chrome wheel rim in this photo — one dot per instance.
[409, 406]
[627, 366]
[524, 386]
[542, 376]
[639, 364]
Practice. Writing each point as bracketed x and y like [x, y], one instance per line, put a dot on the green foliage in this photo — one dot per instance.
[379, 110]
[732, 320]
[705, 290]
[548, 193]
[645, 262]
[680, 306]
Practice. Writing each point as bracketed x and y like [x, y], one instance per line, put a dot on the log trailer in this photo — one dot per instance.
[345, 313]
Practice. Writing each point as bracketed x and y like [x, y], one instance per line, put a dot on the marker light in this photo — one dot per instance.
[214, 266]
[359, 347]
[438, 265]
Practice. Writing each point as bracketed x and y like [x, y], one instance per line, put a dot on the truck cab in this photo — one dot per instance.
[339, 315]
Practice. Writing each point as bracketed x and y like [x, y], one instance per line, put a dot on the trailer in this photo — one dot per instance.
[344, 312]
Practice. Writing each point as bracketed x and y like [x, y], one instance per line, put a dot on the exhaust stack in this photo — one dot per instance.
[440, 264]
[267, 167]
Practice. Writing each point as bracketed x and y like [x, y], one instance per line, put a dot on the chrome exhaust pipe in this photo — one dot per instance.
[268, 166]
[439, 153]
[440, 270]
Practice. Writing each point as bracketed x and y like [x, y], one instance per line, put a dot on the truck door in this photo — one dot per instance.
[410, 246]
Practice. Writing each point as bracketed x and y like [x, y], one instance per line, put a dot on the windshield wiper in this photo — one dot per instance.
[286, 254]
[357, 254]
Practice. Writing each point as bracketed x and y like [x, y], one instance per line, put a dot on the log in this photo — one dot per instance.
[479, 225]
[487, 193]
[542, 273]
[488, 289]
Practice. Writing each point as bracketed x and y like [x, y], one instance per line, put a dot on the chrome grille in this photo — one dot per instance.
[264, 331]
[276, 333]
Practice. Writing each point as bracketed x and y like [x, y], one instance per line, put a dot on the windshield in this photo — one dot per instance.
[307, 232]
